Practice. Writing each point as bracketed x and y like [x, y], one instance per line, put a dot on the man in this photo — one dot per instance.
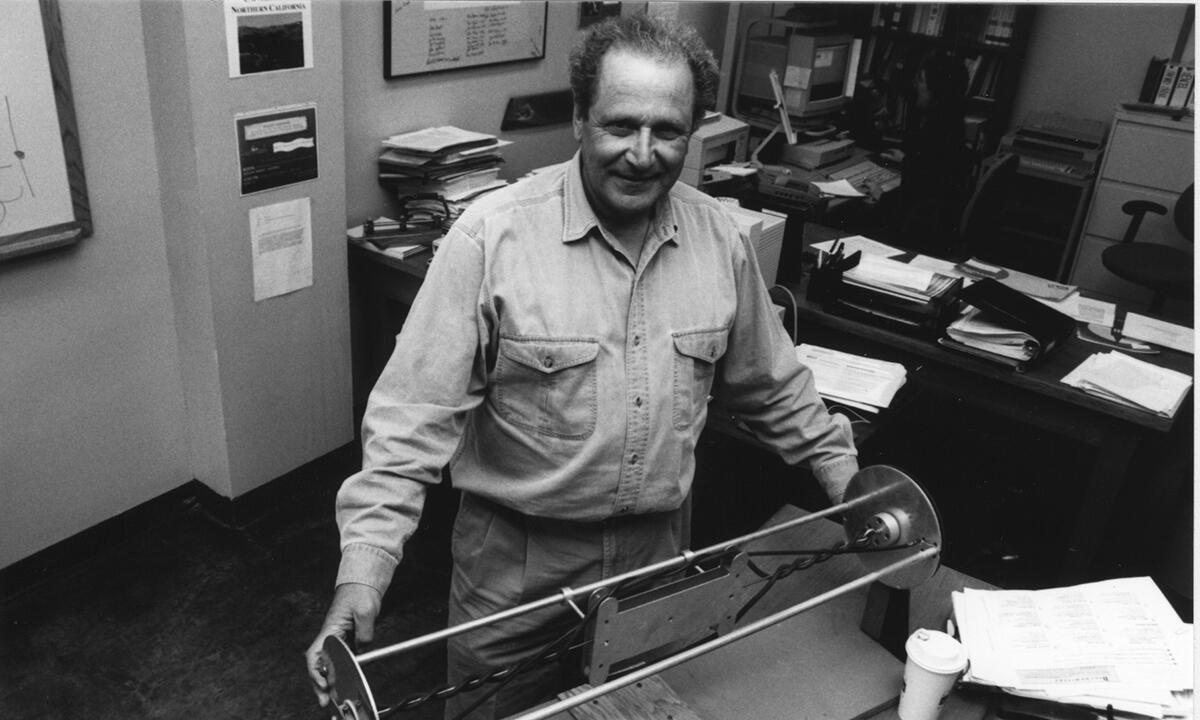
[560, 357]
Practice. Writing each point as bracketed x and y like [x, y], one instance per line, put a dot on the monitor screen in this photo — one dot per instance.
[829, 71]
[817, 74]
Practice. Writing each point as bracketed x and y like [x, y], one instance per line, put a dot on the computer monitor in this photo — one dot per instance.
[818, 73]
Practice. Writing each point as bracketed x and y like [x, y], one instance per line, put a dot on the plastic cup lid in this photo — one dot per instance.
[936, 651]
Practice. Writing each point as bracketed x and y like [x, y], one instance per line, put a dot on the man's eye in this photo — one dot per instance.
[621, 130]
[668, 134]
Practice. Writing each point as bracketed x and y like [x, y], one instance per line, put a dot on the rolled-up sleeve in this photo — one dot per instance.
[762, 382]
[416, 414]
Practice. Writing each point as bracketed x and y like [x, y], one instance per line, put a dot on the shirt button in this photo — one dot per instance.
[548, 361]
[637, 401]
[637, 340]
[633, 459]
[712, 351]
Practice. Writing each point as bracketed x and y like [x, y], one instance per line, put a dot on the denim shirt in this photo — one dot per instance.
[556, 377]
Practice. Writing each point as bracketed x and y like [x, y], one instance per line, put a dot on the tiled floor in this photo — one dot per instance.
[194, 618]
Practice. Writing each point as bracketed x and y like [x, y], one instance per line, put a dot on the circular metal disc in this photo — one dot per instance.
[892, 492]
[348, 687]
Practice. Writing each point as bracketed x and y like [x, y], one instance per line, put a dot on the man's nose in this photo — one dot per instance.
[641, 152]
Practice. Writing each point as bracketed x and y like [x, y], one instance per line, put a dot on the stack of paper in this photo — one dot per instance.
[897, 278]
[860, 382]
[1115, 642]
[1117, 377]
[457, 164]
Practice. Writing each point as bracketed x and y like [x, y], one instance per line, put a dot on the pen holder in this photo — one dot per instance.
[823, 284]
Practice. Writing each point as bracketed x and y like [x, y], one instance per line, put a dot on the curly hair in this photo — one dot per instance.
[647, 36]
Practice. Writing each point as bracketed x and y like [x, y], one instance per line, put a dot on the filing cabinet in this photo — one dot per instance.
[1149, 157]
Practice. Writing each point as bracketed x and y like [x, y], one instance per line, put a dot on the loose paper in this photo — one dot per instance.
[837, 188]
[1160, 332]
[281, 243]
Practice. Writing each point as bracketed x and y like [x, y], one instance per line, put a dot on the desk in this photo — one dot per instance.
[1037, 398]
[817, 664]
[382, 288]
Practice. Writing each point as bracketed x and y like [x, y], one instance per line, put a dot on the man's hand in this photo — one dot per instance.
[354, 608]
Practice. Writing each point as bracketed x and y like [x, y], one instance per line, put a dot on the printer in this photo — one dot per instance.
[1057, 144]
[719, 139]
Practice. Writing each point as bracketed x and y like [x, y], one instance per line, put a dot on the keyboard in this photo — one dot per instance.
[864, 173]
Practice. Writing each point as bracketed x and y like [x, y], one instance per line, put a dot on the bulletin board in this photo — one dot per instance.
[424, 37]
[43, 195]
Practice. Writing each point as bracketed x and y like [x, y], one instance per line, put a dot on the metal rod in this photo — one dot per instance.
[673, 563]
[644, 672]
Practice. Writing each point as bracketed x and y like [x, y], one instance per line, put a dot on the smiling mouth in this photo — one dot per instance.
[639, 180]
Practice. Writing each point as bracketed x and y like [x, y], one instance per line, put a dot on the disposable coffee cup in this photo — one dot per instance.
[935, 660]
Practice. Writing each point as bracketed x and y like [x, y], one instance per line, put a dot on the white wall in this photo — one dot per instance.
[138, 360]
[91, 403]
[1083, 60]
[472, 98]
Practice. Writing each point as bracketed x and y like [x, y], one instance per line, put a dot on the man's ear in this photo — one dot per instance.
[577, 124]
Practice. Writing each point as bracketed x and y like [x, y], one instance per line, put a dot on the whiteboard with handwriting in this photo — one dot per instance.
[422, 37]
[39, 167]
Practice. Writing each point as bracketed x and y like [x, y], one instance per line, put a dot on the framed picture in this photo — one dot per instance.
[591, 13]
[43, 195]
[425, 37]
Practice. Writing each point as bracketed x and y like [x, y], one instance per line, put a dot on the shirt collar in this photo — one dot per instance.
[579, 219]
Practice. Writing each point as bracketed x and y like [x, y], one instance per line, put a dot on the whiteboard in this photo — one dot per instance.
[43, 197]
[423, 37]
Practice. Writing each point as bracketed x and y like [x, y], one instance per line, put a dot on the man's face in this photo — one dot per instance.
[634, 139]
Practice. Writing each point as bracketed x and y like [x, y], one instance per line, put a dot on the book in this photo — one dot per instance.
[1006, 325]
[1183, 87]
[975, 329]
[1167, 84]
[1154, 73]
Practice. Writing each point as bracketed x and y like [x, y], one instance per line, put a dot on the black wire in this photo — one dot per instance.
[813, 557]
[551, 651]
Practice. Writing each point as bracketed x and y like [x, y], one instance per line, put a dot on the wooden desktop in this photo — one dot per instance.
[1038, 398]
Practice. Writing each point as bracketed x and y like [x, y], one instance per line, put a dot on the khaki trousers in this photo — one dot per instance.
[502, 559]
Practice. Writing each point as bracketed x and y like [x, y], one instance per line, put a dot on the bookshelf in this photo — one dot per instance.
[989, 39]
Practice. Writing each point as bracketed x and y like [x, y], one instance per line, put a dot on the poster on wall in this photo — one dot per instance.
[435, 35]
[281, 245]
[277, 147]
[43, 195]
[264, 36]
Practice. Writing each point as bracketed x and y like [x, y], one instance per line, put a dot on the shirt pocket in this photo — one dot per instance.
[696, 355]
[548, 385]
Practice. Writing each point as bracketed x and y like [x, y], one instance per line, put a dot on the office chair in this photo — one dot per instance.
[981, 216]
[1165, 270]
